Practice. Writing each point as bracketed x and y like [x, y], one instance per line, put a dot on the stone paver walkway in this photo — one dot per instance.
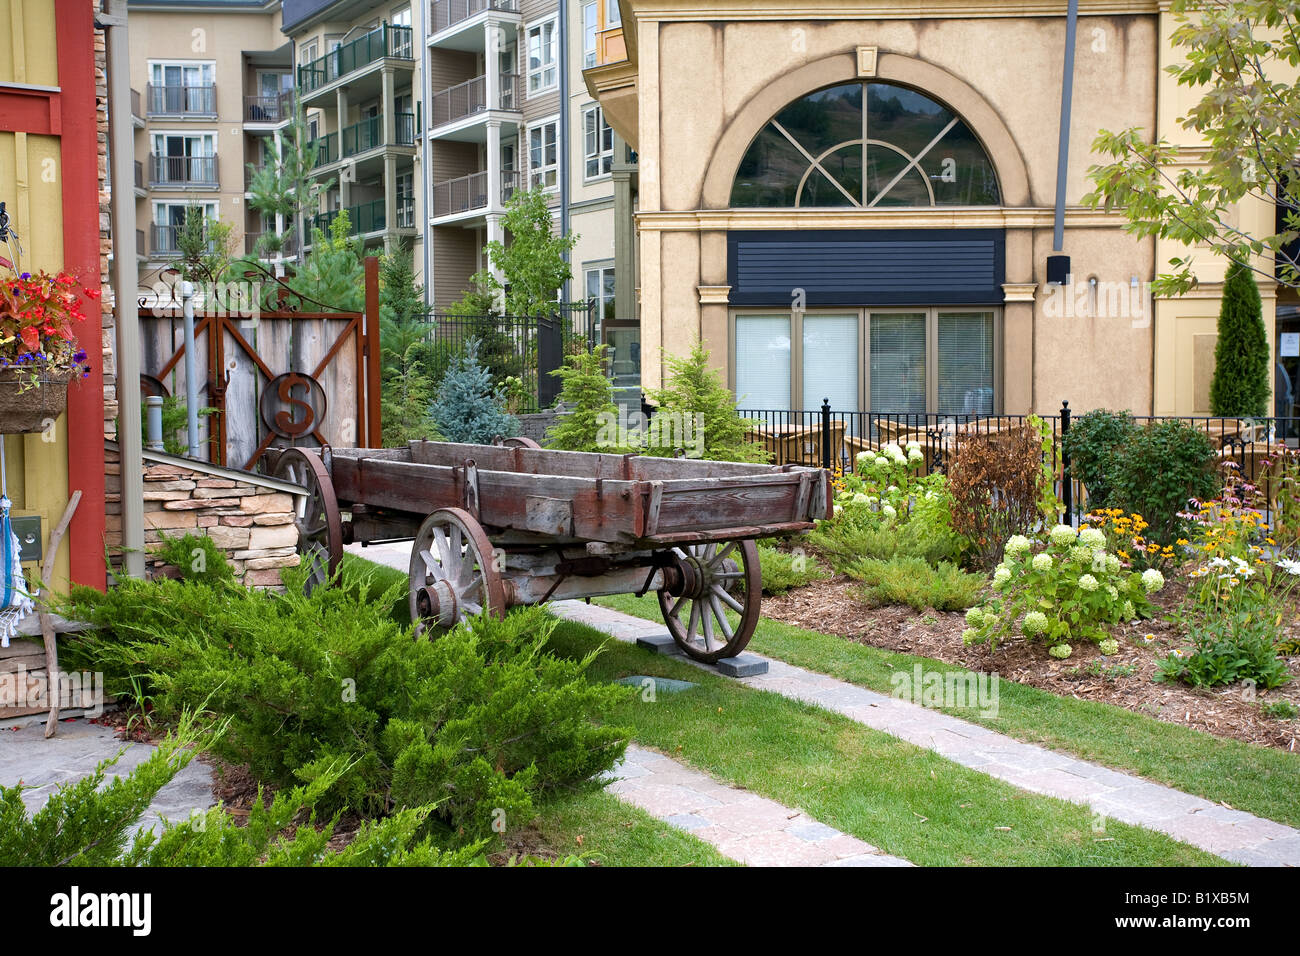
[73, 753]
[1231, 834]
[742, 825]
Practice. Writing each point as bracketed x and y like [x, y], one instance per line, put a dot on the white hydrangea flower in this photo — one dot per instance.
[914, 455]
[1112, 591]
[1094, 538]
[975, 616]
[1042, 562]
[1127, 611]
[1152, 580]
[882, 462]
[1088, 582]
[1109, 646]
[969, 636]
[1017, 544]
[1001, 576]
[1035, 622]
[1061, 651]
[1062, 535]
[860, 499]
[889, 511]
[1112, 564]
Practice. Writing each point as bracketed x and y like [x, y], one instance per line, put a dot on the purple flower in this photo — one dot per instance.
[79, 355]
[25, 275]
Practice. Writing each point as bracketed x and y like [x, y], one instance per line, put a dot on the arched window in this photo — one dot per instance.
[903, 149]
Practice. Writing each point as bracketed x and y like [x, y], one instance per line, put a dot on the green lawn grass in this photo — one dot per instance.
[1259, 780]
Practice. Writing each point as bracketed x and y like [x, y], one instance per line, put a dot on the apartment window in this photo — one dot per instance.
[904, 361]
[401, 17]
[543, 165]
[612, 15]
[542, 56]
[599, 283]
[308, 51]
[597, 143]
[589, 28]
[169, 220]
[183, 159]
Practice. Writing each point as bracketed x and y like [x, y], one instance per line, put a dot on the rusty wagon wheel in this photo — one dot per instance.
[453, 574]
[320, 527]
[518, 441]
[716, 578]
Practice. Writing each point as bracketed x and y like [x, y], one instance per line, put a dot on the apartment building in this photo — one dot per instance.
[357, 79]
[210, 90]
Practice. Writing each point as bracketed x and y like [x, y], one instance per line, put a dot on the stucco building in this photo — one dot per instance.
[858, 203]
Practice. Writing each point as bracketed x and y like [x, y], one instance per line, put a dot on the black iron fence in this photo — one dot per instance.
[527, 348]
[833, 439]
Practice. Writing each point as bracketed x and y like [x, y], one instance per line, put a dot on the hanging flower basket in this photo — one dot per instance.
[39, 354]
[27, 403]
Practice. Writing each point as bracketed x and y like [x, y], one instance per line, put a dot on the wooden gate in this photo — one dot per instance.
[294, 375]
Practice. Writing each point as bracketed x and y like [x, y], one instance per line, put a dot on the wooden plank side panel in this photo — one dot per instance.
[705, 509]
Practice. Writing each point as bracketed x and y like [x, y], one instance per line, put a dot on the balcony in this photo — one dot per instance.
[405, 212]
[466, 99]
[181, 100]
[140, 247]
[468, 193]
[362, 137]
[183, 171]
[139, 178]
[444, 14]
[250, 171]
[268, 109]
[384, 42]
[288, 247]
[137, 109]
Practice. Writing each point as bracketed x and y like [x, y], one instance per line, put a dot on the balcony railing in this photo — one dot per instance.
[140, 247]
[363, 136]
[139, 174]
[404, 128]
[465, 99]
[164, 240]
[405, 212]
[288, 247]
[136, 108]
[447, 13]
[251, 170]
[182, 170]
[470, 192]
[327, 149]
[268, 109]
[366, 217]
[384, 41]
[181, 100]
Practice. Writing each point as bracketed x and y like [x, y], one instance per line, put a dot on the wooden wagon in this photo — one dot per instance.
[497, 526]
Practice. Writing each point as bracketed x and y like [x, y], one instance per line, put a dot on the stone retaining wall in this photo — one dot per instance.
[252, 525]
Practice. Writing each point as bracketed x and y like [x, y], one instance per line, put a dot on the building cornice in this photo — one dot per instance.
[951, 217]
[745, 10]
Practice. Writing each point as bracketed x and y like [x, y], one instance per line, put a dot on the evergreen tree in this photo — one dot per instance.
[286, 186]
[468, 407]
[1241, 371]
[700, 407]
[334, 273]
[588, 394]
[405, 395]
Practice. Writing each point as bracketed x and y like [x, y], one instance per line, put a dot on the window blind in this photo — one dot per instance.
[965, 363]
[763, 361]
[898, 362]
[830, 361]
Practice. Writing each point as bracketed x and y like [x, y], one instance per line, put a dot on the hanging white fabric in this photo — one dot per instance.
[15, 599]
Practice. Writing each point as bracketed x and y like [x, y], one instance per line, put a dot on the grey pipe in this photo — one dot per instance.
[1063, 144]
[121, 135]
[191, 372]
[153, 429]
[566, 160]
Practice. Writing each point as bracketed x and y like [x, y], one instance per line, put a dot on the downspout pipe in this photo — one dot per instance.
[1058, 264]
[125, 281]
[566, 158]
[425, 156]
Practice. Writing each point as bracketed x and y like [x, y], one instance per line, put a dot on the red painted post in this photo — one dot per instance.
[80, 177]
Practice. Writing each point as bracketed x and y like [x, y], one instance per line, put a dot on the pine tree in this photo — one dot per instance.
[588, 394]
[334, 274]
[1240, 385]
[468, 407]
[699, 406]
[286, 186]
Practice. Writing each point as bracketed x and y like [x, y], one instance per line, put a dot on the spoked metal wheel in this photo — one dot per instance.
[715, 579]
[519, 441]
[320, 527]
[452, 572]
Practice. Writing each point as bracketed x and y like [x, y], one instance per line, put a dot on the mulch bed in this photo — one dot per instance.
[830, 607]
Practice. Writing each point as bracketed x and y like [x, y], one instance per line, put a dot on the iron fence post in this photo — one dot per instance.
[1067, 490]
[826, 433]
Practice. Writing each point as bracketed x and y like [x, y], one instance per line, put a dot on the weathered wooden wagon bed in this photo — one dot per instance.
[495, 526]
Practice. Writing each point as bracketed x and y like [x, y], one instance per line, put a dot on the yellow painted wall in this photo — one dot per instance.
[31, 186]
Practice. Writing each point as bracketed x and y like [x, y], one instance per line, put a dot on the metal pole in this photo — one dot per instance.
[1063, 143]
[125, 281]
[826, 433]
[1067, 491]
[153, 429]
[191, 374]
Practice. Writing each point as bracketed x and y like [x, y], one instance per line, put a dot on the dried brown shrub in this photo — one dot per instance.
[996, 481]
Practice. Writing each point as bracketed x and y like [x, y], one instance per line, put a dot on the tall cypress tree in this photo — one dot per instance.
[1240, 384]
